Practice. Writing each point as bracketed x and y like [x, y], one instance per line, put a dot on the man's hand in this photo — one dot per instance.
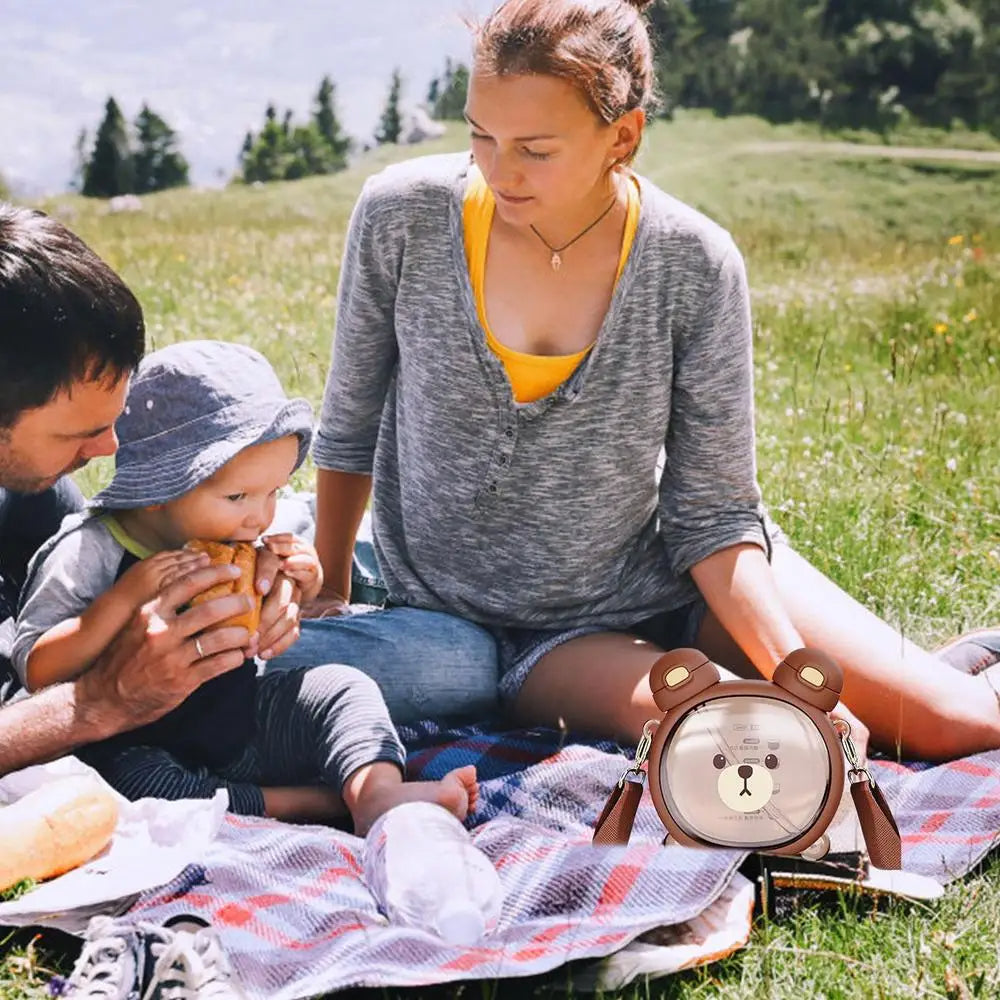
[162, 655]
[279, 618]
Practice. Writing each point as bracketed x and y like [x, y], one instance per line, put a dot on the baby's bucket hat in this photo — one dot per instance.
[191, 407]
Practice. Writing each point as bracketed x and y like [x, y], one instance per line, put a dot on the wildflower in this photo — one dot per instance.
[956, 241]
[970, 316]
[977, 237]
[940, 329]
[951, 465]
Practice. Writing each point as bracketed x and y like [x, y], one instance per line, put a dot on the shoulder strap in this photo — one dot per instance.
[885, 848]
[614, 825]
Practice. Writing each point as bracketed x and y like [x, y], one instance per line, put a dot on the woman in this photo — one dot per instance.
[517, 339]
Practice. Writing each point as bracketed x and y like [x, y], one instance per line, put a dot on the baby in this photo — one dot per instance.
[207, 438]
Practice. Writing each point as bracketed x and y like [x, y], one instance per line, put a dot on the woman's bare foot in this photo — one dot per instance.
[375, 789]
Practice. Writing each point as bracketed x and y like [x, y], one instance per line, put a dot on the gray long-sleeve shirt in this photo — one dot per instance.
[551, 513]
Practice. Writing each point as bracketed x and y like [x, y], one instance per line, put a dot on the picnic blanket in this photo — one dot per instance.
[298, 921]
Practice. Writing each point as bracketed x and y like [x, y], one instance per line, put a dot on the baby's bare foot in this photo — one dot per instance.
[457, 791]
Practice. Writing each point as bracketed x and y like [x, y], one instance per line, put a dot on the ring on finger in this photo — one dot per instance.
[197, 646]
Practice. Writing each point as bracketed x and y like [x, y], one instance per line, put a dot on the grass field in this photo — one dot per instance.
[877, 325]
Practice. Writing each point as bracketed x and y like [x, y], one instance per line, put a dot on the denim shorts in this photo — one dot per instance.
[519, 649]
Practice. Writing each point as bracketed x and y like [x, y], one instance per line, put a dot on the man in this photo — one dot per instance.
[71, 333]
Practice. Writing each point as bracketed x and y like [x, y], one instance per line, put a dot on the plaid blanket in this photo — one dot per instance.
[298, 921]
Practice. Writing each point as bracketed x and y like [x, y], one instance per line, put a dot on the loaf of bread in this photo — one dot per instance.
[243, 555]
[54, 829]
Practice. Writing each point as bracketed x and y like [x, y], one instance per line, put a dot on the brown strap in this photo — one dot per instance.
[885, 849]
[614, 825]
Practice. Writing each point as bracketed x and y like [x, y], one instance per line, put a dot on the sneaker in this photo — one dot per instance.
[108, 966]
[973, 652]
[185, 961]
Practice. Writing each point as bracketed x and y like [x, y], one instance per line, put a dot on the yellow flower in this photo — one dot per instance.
[970, 316]
[960, 282]
[977, 237]
[940, 328]
[957, 240]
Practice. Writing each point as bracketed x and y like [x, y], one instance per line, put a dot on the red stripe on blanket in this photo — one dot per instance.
[936, 821]
[619, 882]
[948, 838]
[969, 767]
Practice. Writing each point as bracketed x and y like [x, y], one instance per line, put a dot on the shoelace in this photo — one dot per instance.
[190, 966]
[99, 969]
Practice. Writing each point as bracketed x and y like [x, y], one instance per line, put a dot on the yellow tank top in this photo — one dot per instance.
[532, 376]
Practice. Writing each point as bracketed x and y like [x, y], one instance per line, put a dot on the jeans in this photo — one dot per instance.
[428, 664]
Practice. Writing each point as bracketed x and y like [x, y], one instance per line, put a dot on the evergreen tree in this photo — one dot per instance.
[451, 92]
[158, 162]
[110, 170]
[269, 158]
[79, 161]
[327, 124]
[391, 123]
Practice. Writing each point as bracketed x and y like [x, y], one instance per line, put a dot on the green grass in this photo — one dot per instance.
[877, 323]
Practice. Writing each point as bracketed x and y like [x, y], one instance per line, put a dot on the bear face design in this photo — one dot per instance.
[745, 772]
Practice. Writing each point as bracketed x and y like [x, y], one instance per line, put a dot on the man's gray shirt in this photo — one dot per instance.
[551, 513]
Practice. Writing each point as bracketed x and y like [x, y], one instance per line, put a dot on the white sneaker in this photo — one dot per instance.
[107, 968]
[185, 961]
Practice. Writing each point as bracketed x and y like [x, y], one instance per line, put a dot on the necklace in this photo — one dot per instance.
[556, 259]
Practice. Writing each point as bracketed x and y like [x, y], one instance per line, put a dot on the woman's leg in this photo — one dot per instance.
[915, 706]
[596, 684]
[426, 663]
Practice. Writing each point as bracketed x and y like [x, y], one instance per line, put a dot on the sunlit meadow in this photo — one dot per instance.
[876, 289]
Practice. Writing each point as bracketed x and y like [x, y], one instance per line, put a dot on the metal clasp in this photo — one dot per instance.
[858, 771]
[641, 753]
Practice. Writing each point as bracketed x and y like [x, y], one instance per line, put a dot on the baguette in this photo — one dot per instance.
[244, 556]
[54, 829]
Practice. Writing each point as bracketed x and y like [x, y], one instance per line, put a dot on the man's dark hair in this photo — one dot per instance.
[65, 316]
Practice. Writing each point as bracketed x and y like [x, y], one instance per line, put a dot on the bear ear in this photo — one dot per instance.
[679, 675]
[811, 675]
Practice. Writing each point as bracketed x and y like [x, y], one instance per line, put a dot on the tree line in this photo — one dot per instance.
[842, 63]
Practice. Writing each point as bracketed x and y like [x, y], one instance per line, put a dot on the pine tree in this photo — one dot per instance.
[452, 91]
[79, 161]
[328, 126]
[110, 170]
[391, 124]
[158, 163]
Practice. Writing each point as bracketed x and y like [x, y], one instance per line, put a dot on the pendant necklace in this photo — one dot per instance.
[556, 259]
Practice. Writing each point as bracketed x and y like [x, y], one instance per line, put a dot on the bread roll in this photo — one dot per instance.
[54, 829]
[244, 556]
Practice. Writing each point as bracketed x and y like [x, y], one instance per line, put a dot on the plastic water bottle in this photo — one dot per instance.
[423, 870]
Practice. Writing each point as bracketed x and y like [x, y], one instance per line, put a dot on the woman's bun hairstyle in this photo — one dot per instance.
[602, 47]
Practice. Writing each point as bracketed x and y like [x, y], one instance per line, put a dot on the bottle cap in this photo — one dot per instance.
[460, 922]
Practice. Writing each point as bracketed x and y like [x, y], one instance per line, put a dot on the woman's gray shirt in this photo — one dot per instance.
[548, 514]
